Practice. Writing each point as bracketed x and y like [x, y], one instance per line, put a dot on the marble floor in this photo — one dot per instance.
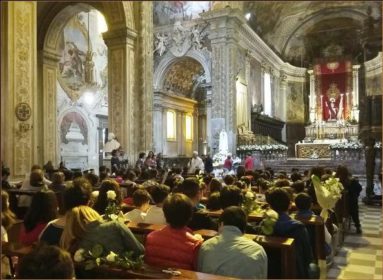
[361, 255]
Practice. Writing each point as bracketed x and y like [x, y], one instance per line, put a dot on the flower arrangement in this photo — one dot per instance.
[96, 257]
[270, 217]
[355, 145]
[270, 147]
[249, 204]
[328, 193]
[112, 211]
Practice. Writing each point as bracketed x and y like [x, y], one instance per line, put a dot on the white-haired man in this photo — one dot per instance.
[195, 163]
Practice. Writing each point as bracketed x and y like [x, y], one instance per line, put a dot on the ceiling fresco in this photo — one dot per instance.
[183, 77]
[299, 31]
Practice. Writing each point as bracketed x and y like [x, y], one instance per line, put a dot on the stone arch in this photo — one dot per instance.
[315, 18]
[118, 16]
[165, 63]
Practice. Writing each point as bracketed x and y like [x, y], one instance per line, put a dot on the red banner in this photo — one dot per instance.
[333, 80]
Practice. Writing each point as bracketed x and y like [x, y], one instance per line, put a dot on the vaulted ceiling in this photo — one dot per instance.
[300, 31]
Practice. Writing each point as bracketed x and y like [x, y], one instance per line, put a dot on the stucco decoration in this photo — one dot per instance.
[73, 76]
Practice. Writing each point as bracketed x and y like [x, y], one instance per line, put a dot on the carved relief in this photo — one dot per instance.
[116, 99]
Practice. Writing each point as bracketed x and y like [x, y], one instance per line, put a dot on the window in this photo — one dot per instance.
[189, 127]
[267, 95]
[170, 125]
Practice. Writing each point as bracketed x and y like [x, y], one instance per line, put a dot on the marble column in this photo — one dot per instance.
[51, 142]
[224, 42]
[158, 127]
[208, 119]
[312, 97]
[145, 64]
[249, 97]
[124, 108]
[283, 92]
[355, 92]
[19, 85]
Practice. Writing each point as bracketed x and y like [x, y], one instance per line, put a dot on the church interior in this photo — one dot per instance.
[139, 139]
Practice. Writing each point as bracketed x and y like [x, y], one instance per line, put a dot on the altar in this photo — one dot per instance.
[333, 106]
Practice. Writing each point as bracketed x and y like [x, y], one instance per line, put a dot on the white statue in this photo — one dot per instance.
[112, 143]
[196, 38]
[160, 48]
[223, 142]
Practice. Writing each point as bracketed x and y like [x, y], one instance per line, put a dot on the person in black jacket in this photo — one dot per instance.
[208, 164]
[354, 188]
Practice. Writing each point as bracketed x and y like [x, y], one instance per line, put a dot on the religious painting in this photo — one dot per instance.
[183, 77]
[168, 12]
[73, 120]
[294, 102]
[83, 63]
[333, 82]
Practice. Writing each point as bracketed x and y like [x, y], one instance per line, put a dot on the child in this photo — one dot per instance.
[141, 199]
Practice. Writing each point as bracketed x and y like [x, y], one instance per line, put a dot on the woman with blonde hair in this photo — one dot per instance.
[85, 228]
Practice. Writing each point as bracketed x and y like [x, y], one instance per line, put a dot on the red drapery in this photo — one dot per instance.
[333, 80]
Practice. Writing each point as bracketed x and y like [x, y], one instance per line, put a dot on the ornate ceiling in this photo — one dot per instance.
[183, 77]
[299, 31]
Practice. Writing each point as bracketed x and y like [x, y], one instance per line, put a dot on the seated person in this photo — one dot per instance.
[175, 245]
[230, 196]
[155, 214]
[5, 173]
[304, 203]
[84, 228]
[285, 226]
[215, 185]
[57, 182]
[298, 186]
[230, 254]
[42, 210]
[141, 201]
[78, 194]
[46, 262]
[102, 199]
[214, 202]
[200, 220]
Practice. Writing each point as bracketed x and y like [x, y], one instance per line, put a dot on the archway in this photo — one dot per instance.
[121, 43]
[180, 104]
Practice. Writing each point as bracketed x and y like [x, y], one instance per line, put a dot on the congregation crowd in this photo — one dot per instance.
[76, 210]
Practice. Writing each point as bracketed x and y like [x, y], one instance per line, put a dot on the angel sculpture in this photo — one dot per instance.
[197, 38]
[161, 44]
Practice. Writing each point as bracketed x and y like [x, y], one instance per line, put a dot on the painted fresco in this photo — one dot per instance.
[73, 76]
[167, 12]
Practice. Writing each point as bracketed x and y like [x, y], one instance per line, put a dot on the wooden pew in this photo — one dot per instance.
[283, 246]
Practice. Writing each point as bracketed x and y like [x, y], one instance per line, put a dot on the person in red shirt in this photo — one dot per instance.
[228, 164]
[249, 162]
[175, 245]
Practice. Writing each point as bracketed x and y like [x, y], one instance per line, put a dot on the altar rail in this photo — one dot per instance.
[264, 155]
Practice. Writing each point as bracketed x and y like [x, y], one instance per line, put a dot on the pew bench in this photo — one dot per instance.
[274, 246]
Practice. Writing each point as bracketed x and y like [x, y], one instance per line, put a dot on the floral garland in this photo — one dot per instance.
[249, 204]
[95, 257]
[355, 145]
[271, 147]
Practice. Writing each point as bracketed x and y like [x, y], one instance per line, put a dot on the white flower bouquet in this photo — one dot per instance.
[96, 257]
[328, 193]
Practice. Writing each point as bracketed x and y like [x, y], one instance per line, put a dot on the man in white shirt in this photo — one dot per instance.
[195, 163]
[141, 199]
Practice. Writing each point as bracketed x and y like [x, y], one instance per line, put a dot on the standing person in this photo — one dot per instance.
[160, 161]
[195, 163]
[208, 164]
[354, 188]
[150, 161]
[115, 162]
[140, 161]
[249, 162]
[228, 164]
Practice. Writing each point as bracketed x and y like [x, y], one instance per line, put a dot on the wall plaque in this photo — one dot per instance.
[23, 111]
